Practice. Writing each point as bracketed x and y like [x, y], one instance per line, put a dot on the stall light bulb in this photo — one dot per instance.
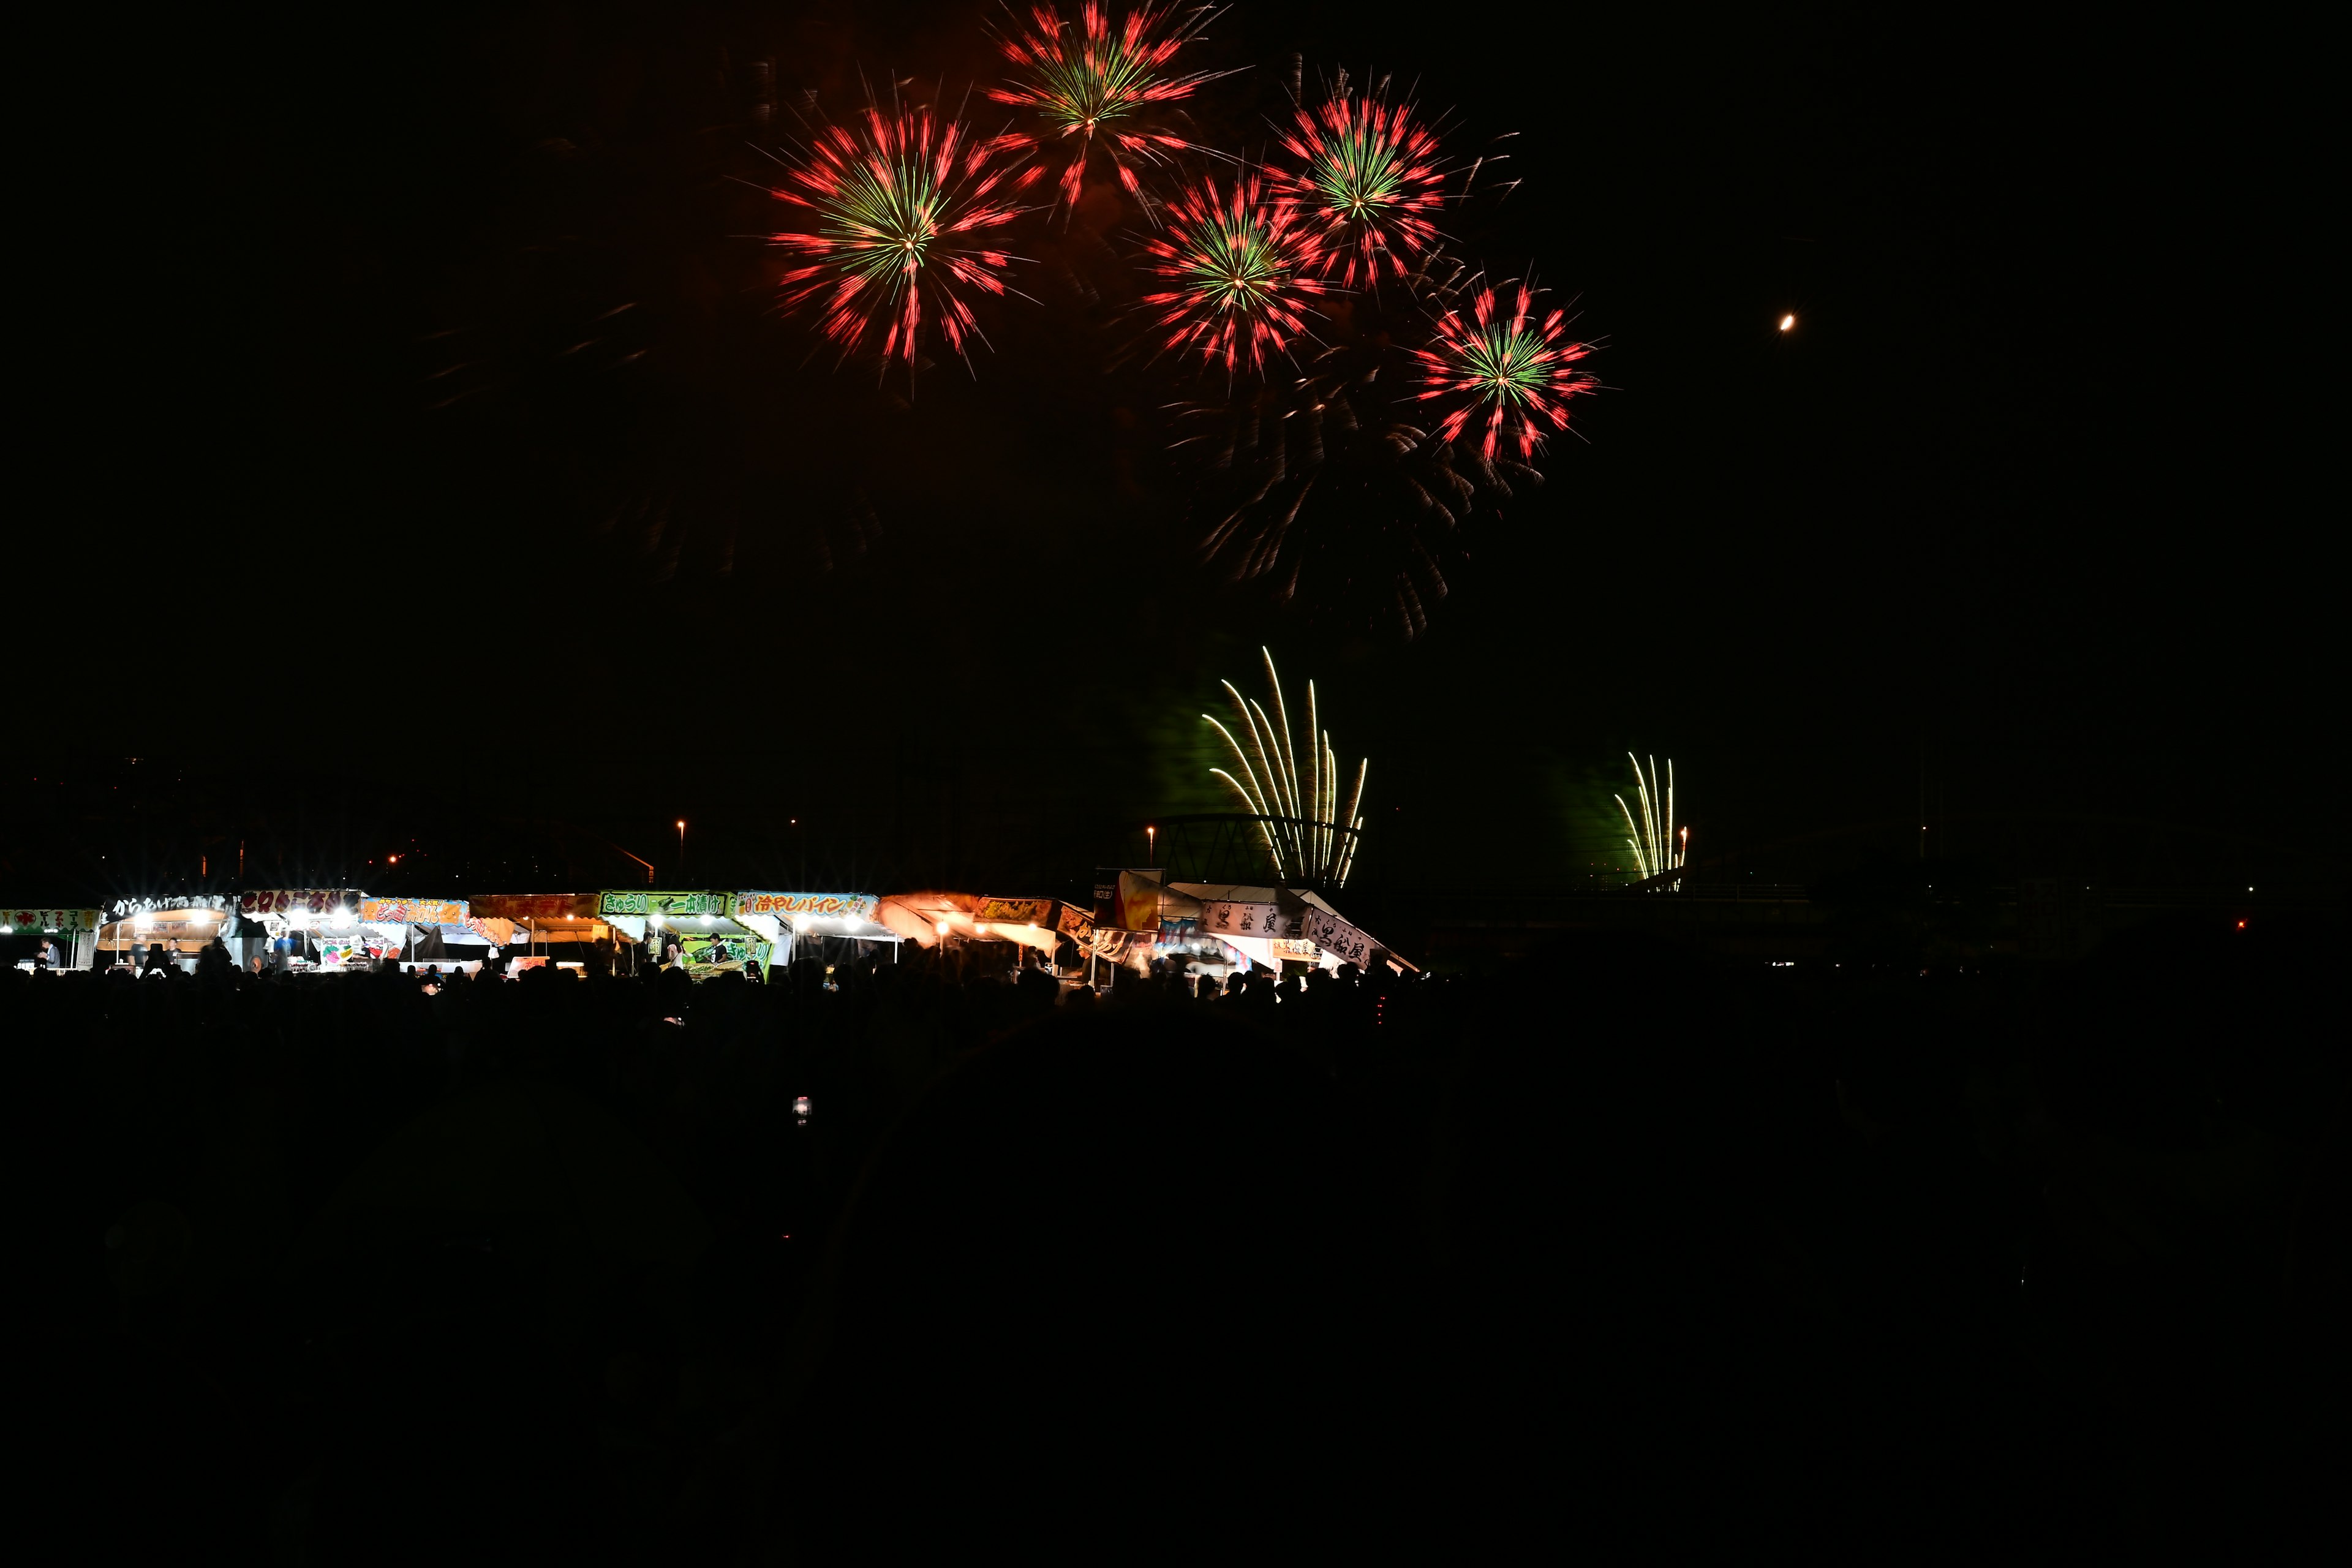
[707, 920]
[943, 928]
[8, 930]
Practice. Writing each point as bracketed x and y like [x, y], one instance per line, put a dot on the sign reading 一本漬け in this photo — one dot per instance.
[1336, 937]
[1015, 911]
[58, 920]
[1229, 917]
[823, 906]
[645, 903]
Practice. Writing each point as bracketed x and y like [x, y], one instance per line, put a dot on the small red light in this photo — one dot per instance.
[2241, 925]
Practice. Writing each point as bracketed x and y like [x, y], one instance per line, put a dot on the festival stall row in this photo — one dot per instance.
[709, 930]
[1217, 928]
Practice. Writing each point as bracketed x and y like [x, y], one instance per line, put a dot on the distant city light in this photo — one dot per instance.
[1788, 322]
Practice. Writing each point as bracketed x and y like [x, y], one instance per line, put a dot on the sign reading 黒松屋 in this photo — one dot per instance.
[1232, 917]
[1342, 941]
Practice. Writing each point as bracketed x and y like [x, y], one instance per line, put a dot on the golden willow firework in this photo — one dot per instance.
[1506, 370]
[1309, 837]
[896, 214]
[1367, 179]
[1095, 86]
[1657, 846]
[1237, 271]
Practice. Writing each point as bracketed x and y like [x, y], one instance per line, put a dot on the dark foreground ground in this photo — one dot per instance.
[1614, 1253]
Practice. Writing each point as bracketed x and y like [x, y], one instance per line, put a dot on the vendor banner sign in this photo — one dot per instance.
[123, 908]
[285, 900]
[536, 906]
[58, 920]
[1336, 937]
[1227, 917]
[645, 903]
[721, 955]
[820, 906]
[1075, 923]
[1015, 911]
[413, 911]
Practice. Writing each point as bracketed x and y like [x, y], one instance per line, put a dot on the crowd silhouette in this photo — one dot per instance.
[1616, 1246]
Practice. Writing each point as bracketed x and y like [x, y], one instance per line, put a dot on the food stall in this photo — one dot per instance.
[560, 928]
[311, 929]
[433, 933]
[788, 921]
[75, 933]
[180, 925]
[1272, 926]
[698, 923]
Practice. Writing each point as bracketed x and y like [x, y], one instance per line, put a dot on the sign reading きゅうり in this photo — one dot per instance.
[1336, 937]
[819, 906]
[642, 903]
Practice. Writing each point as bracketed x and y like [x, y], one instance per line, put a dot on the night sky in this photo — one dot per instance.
[441, 466]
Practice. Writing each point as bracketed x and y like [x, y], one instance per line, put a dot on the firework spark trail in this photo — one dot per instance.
[1368, 179]
[1317, 841]
[1239, 271]
[1094, 85]
[892, 208]
[1510, 366]
[1653, 838]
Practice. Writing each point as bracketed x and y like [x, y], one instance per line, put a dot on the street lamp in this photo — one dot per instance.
[681, 848]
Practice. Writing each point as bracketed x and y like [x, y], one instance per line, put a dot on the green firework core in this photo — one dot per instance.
[886, 219]
[1506, 363]
[1234, 268]
[1358, 174]
[1104, 83]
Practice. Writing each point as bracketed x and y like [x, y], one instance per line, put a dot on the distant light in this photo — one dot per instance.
[2241, 925]
[1788, 322]
[681, 821]
[392, 860]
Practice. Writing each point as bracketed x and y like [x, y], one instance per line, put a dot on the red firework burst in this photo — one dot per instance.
[1512, 368]
[892, 211]
[1239, 270]
[1089, 81]
[1368, 177]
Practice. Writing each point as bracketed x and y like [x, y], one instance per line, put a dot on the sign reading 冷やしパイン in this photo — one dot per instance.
[822, 906]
